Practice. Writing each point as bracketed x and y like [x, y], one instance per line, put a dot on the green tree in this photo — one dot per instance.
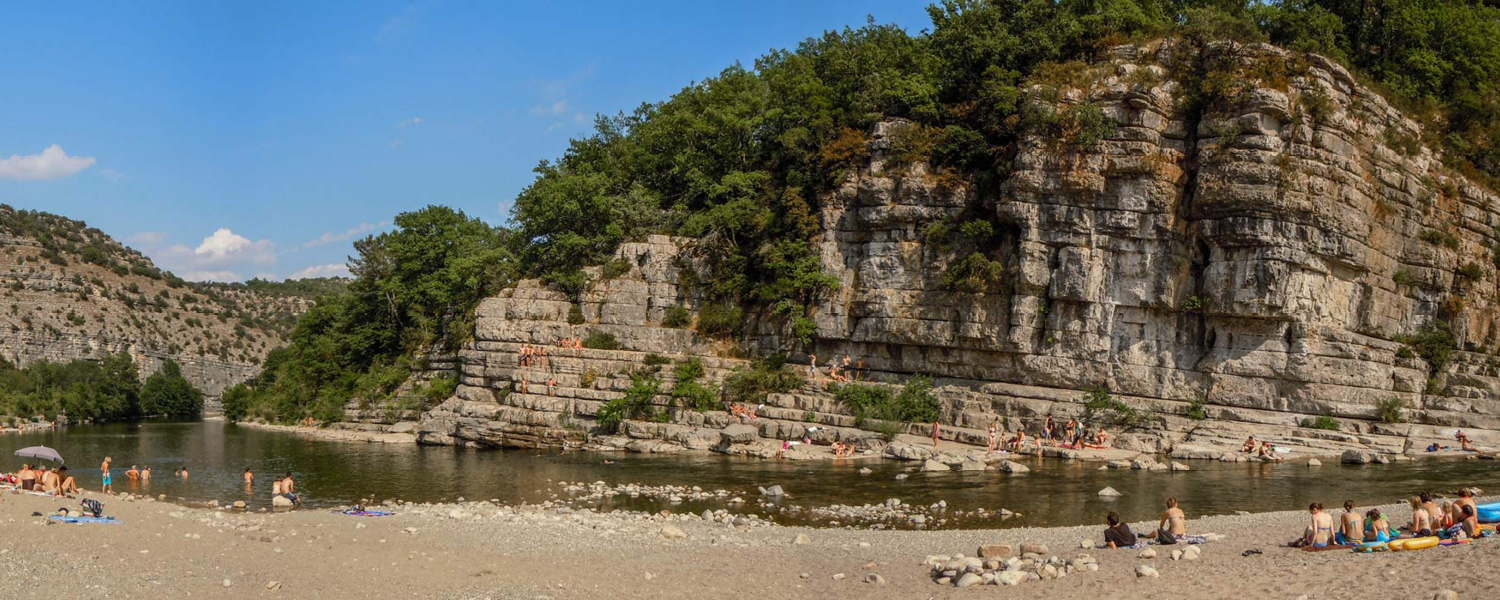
[167, 393]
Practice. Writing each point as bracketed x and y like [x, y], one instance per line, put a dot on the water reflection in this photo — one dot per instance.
[1054, 493]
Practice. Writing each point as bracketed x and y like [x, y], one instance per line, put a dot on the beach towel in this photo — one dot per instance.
[365, 513]
[107, 520]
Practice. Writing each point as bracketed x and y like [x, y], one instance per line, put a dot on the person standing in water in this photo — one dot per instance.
[107, 487]
[184, 473]
[249, 477]
[146, 473]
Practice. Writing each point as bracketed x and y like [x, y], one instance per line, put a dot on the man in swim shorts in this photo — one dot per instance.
[106, 488]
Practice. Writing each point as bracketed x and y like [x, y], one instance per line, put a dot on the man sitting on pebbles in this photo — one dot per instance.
[1118, 534]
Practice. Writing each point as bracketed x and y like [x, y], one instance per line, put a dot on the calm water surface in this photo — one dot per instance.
[1056, 492]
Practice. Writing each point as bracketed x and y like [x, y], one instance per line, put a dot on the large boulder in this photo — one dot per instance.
[1011, 466]
[1357, 457]
[934, 466]
[738, 433]
[279, 501]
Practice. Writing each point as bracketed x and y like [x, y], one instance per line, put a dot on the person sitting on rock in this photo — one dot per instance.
[1101, 439]
[1464, 443]
[1251, 446]
[1118, 534]
[1018, 442]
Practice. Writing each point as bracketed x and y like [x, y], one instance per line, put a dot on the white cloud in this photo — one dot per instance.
[225, 276]
[409, 122]
[52, 163]
[556, 108]
[222, 256]
[330, 237]
[225, 245]
[328, 270]
[147, 238]
[112, 175]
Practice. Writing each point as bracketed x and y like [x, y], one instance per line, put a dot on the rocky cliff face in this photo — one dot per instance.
[1277, 257]
[81, 294]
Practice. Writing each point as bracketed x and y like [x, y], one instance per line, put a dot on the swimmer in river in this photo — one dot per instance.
[184, 474]
[146, 473]
[1173, 523]
[133, 474]
[249, 477]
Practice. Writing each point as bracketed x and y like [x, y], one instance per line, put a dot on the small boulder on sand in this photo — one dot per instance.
[672, 532]
[996, 551]
[1147, 553]
[1145, 571]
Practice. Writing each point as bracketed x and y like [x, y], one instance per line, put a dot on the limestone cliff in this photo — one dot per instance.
[71, 292]
[1259, 258]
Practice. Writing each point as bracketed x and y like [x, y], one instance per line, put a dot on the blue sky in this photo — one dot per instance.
[232, 140]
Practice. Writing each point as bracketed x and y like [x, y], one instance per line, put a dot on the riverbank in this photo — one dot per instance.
[342, 435]
[484, 550]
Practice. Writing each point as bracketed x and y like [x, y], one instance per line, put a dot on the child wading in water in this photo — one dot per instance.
[107, 487]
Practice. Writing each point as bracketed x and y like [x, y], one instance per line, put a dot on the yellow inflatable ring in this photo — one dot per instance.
[1420, 543]
[1397, 545]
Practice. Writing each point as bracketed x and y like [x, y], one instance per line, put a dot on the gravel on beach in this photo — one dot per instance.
[483, 550]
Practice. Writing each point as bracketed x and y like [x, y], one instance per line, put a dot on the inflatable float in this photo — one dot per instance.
[1414, 543]
[1489, 513]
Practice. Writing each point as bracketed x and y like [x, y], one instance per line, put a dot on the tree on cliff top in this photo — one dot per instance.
[741, 161]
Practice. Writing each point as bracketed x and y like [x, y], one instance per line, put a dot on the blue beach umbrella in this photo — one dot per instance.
[41, 452]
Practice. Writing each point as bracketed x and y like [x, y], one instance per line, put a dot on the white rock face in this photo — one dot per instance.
[1250, 264]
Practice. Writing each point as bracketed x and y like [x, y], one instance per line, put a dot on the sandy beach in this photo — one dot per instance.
[482, 550]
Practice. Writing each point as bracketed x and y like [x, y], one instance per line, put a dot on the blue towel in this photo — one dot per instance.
[109, 520]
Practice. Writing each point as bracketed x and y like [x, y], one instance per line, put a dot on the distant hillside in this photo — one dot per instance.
[70, 291]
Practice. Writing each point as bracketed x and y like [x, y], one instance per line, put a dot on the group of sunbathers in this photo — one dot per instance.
[1261, 449]
[849, 370]
[532, 356]
[1458, 519]
[55, 482]
[1075, 435]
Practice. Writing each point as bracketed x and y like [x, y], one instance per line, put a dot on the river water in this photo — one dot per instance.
[1056, 492]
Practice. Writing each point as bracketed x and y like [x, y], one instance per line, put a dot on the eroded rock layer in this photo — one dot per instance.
[1260, 258]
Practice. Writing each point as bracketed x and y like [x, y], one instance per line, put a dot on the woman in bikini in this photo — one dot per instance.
[1173, 524]
[1377, 527]
[1320, 531]
[1351, 527]
[1421, 520]
[1469, 522]
[1049, 429]
[994, 434]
